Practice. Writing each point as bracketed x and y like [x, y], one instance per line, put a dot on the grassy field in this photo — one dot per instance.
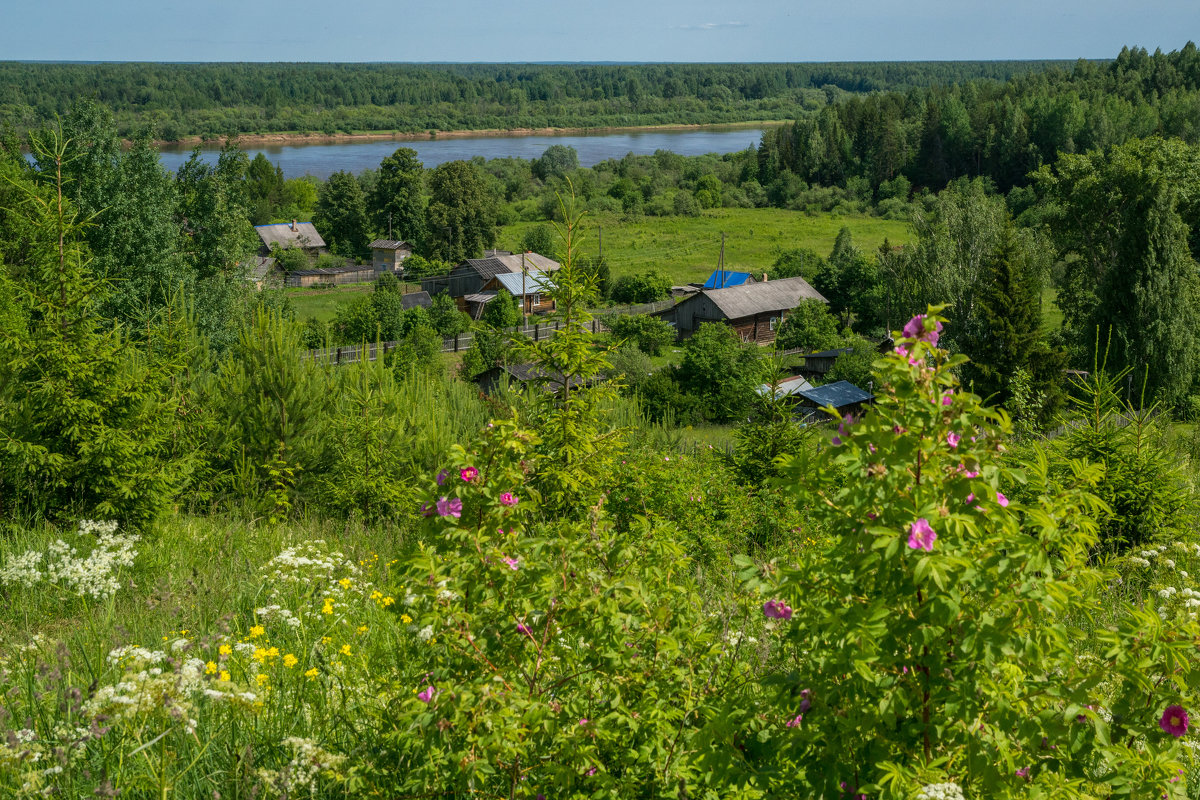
[683, 248]
[686, 248]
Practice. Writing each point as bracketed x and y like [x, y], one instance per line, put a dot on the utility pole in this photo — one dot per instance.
[524, 319]
[721, 264]
[600, 236]
[389, 225]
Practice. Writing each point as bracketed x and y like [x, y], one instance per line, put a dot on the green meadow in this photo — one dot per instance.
[687, 248]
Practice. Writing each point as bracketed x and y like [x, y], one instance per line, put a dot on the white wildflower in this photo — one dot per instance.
[940, 791]
[426, 633]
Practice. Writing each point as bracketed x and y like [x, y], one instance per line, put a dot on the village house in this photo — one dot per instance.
[754, 310]
[528, 288]
[470, 277]
[290, 234]
[387, 255]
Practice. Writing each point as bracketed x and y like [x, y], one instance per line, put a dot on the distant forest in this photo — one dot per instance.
[172, 101]
[1001, 131]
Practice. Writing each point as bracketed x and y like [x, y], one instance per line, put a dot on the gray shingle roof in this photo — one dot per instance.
[304, 235]
[758, 298]
[389, 244]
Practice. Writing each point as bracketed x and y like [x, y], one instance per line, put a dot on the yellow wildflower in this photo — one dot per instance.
[345, 582]
[256, 631]
[326, 639]
[328, 607]
[261, 655]
[210, 668]
[290, 660]
[224, 675]
[312, 673]
[345, 650]
[261, 679]
[405, 618]
[225, 650]
[362, 628]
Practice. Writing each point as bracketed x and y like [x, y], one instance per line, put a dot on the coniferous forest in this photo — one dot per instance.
[641, 565]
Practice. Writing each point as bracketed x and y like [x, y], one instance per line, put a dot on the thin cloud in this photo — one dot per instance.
[710, 26]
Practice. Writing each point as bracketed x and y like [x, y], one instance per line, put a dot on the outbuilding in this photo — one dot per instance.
[387, 255]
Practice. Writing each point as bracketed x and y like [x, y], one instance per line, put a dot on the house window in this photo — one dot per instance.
[535, 300]
[774, 322]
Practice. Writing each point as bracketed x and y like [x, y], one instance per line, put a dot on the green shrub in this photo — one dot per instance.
[950, 635]
[646, 287]
[648, 334]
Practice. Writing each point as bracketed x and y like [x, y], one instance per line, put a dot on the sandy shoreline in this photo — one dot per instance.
[322, 138]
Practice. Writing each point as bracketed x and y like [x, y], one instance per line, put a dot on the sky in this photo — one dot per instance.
[586, 30]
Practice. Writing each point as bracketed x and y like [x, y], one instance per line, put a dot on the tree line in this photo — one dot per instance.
[181, 100]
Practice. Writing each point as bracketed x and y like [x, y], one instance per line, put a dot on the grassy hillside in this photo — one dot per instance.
[686, 248]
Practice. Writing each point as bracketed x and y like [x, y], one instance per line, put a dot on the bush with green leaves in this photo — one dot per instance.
[721, 371]
[502, 311]
[648, 334]
[809, 327]
[950, 635]
[645, 287]
[564, 659]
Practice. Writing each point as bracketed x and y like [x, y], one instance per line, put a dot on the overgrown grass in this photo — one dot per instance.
[686, 248]
[323, 304]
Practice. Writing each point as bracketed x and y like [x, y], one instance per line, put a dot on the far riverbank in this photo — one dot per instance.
[308, 137]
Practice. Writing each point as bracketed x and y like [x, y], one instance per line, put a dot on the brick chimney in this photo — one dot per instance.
[764, 278]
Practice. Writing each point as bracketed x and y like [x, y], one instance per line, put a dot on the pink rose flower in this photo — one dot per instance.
[449, 508]
[468, 474]
[508, 499]
[1002, 500]
[921, 536]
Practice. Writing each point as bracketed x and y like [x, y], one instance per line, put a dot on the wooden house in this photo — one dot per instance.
[290, 234]
[469, 277]
[754, 310]
[528, 288]
[387, 255]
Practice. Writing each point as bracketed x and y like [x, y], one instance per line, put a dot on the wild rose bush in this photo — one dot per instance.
[571, 660]
[950, 637]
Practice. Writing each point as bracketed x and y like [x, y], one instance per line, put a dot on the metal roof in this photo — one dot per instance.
[500, 265]
[389, 244]
[288, 234]
[837, 395]
[723, 279]
[787, 387]
[758, 298]
[535, 282]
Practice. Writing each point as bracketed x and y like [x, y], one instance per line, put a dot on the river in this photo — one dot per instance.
[323, 159]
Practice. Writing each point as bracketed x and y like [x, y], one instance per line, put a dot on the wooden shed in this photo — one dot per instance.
[387, 255]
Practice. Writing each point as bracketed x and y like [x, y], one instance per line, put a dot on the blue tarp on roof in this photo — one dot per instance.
[838, 395]
[723, 279]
